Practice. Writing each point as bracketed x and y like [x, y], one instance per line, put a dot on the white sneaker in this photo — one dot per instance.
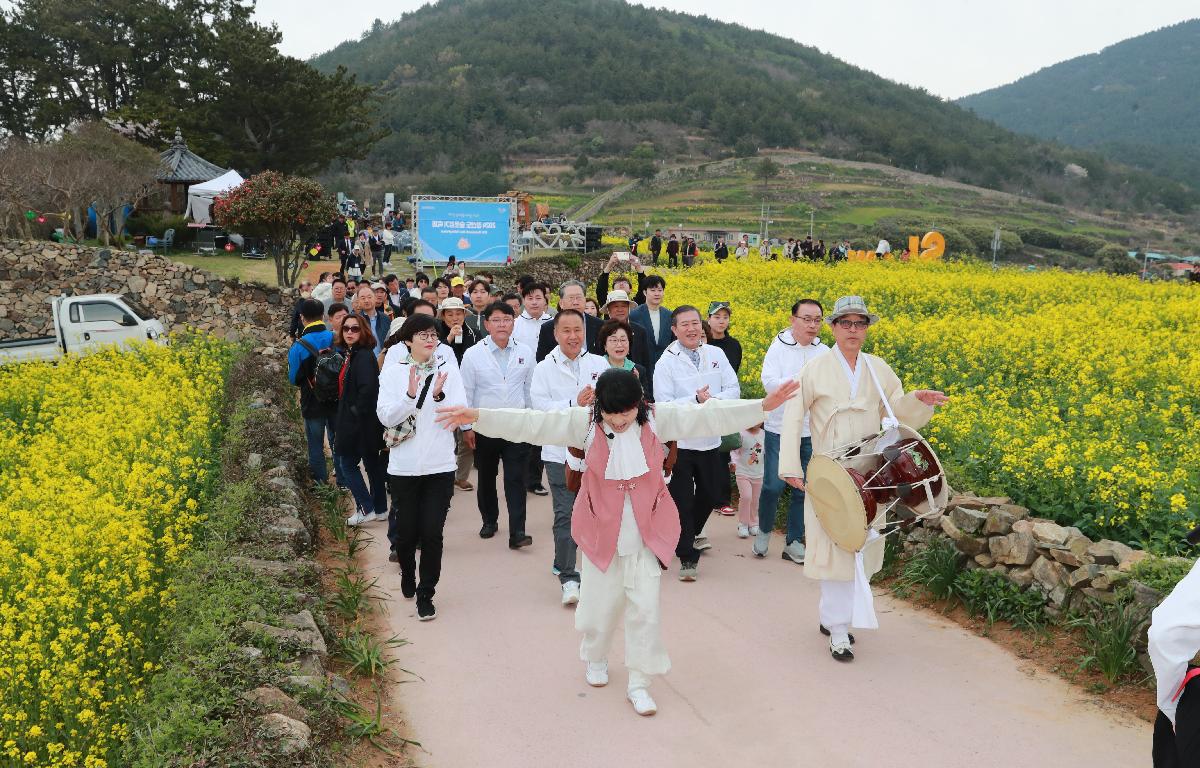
[378, 516]
[794, 552]
[597, 674]
[743, 531]
[755, 530]
[358, 518]
[641, 701]
[761, 542]
[570, 592]
[701, 543]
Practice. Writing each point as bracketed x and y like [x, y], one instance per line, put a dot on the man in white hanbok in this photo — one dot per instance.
[846, 395]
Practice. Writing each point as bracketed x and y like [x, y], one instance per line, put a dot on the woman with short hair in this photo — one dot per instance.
[420, 467]
[614, 339]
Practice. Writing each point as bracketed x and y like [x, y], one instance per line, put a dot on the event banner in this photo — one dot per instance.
[474, 232]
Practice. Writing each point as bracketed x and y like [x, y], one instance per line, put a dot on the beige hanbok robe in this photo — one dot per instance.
[836, 419]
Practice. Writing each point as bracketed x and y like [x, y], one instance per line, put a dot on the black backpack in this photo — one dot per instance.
[326, 371]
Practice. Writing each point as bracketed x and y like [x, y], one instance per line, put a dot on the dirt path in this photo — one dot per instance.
[752, 684]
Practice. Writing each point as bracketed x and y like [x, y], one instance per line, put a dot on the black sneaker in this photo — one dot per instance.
[488, 531]
[393, 557]
[841, 652]
[517, 542]
[408, 585]
[538, 490]
[425, 609]
[825, 632]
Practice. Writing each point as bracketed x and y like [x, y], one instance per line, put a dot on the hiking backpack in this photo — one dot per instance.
[326, 370]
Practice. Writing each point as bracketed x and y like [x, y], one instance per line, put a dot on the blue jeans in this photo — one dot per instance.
[773, 486]
[367, 501]
[315, 431]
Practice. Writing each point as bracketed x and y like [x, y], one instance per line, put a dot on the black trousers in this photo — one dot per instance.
[533, 467]
[419, 514]
[489, 452]
[694, 490]
[724, 484]
[1179, 748]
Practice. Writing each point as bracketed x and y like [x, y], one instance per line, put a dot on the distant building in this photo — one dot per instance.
[180, 169]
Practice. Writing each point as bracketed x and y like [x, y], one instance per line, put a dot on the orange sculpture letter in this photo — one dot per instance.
[933, 246]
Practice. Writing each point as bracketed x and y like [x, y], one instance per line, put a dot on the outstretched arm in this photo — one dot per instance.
[680, 421]
[522, 425]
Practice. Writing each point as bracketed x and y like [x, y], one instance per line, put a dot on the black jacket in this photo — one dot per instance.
[310, 406]
[469, 338]
[732, 349]
[358, 431]
[297, 323]
[602, 289]
[546, 342]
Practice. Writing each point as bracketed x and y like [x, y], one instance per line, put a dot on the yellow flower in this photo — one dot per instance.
[107, 446]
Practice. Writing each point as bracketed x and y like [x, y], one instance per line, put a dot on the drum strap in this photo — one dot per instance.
[892, 422]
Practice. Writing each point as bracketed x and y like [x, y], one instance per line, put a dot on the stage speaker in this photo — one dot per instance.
[592, 238]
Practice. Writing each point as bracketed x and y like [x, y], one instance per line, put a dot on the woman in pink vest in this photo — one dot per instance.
[624, 521]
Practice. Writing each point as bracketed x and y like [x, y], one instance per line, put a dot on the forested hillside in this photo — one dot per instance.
[1136, 101]
[468, 84]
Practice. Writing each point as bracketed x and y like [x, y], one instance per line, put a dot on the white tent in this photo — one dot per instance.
[200, 196]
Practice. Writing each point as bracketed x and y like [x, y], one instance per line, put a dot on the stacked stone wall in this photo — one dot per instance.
[181, 296]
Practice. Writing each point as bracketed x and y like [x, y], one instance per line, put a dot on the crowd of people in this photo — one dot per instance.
[677, 248]
[628, 409]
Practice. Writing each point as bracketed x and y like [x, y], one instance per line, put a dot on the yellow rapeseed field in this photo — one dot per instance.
[1074, 393]
[102, 462]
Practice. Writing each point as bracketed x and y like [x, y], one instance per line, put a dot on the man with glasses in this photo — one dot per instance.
[788, 353]
[496, 374]
[848, 394]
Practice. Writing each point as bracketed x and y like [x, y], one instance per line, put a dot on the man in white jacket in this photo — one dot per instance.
[787, 354]
[496, 373]
[528, 326]
[564, 378]
[693, 372]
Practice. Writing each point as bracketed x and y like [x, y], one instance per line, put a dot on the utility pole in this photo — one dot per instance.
[995, 245]
[810, 223]
[1145, 260]
[764, 222]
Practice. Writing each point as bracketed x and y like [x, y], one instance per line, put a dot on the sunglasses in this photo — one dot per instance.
[350, 329]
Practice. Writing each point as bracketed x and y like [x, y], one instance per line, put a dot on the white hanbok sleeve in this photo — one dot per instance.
[908, 409]
[681, 421]
[522, 425]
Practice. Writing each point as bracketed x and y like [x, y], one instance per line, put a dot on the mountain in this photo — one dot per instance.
[466, 86]
[1135, 101]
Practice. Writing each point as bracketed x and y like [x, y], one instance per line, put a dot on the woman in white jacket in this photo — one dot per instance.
[421, 468]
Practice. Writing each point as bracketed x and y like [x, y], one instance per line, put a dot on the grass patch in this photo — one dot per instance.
[231, 266]
[190, 712]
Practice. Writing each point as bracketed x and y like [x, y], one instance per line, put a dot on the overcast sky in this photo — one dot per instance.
[949, 47]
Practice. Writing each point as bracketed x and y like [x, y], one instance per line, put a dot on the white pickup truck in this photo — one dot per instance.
[85, 323]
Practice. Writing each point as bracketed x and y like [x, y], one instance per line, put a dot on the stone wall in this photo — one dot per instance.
[179, 295]
[1065, 565]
